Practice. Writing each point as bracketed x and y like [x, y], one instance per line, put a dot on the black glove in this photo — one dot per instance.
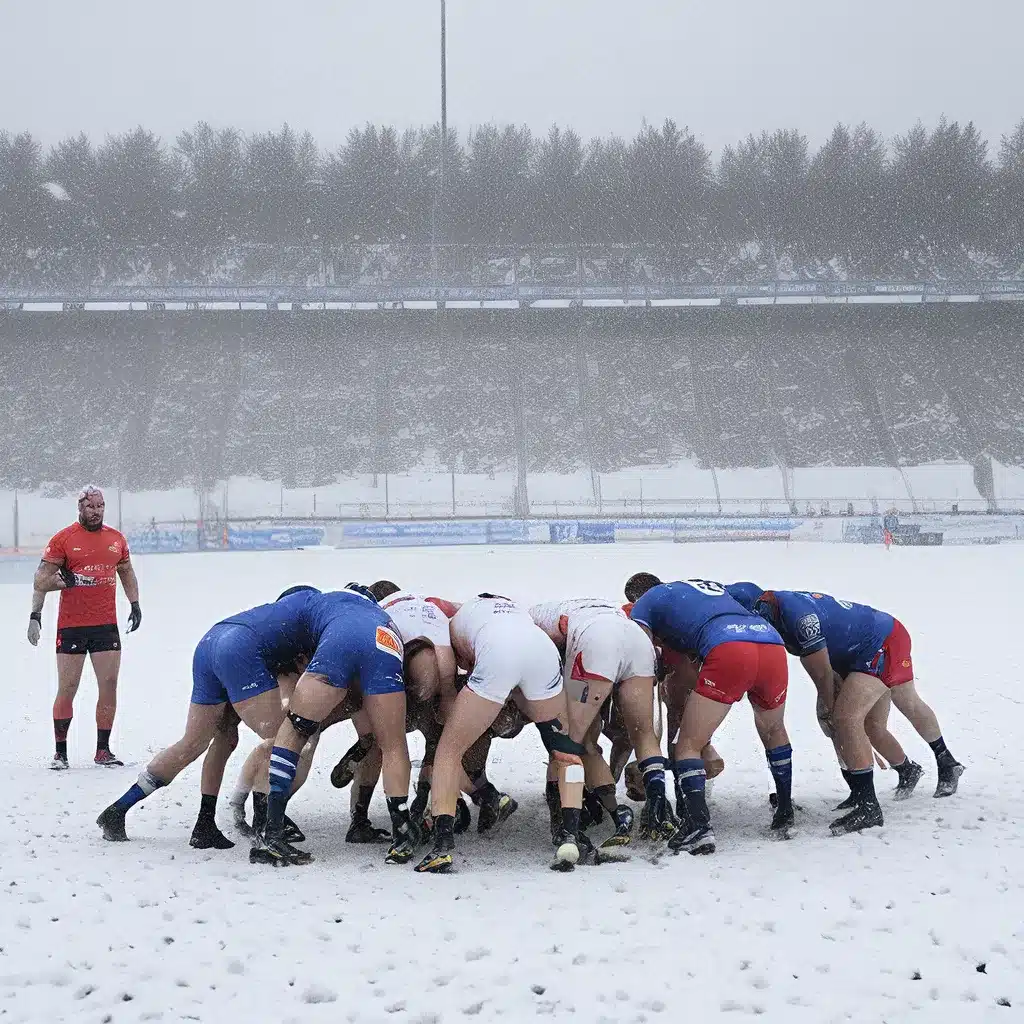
[73, 579]
[135, 619]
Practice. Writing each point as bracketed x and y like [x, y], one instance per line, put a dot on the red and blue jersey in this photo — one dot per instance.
[699, 615]
[809, 622]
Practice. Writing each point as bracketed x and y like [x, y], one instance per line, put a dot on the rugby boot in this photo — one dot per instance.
[567, 851]
[362, 830]
[615, 847]
[657, 821]
[848, 804]
[463, 819]
[698, 841]
[442, 856]
[495, 808]
[782, 820]
[292, 833]
[271, 848]
[112, 822]
[345, 770]
[949, 778]
[107, 760]
[910, 773]
[206, 836]
[59, 763]
[865, 814]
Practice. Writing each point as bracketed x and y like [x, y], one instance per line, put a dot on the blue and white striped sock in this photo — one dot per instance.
[284, 763]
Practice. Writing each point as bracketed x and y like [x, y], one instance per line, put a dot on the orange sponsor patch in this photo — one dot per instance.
[387, 641]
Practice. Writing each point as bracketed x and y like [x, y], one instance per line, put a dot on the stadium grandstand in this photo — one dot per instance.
[531, 381]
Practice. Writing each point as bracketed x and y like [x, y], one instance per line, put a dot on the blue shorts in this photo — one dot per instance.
[357, 649]
[227, 666]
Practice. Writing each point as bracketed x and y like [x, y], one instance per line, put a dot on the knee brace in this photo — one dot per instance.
[556, 741]
[305, 727]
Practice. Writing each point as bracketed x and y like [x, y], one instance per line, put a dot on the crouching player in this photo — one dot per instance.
[737, 657]
[869, 651]
[603, 650]
[354, 643]
[235, 665]
[505, 653]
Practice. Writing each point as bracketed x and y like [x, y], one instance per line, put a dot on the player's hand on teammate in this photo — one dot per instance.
[74, 579]
[35, 627]
[135, 618]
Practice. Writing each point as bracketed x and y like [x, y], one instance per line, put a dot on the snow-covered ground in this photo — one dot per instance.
[920, 921]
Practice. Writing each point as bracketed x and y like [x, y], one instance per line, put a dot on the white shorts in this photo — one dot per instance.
[510, 658]
[420, 620]
[605, 647]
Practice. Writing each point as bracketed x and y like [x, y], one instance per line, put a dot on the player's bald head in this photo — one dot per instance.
[91, 505]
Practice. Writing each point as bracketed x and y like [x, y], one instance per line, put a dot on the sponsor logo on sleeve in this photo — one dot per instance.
[388, 642]
[808, 629]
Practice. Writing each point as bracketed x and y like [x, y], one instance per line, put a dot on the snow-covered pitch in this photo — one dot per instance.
[920, 921]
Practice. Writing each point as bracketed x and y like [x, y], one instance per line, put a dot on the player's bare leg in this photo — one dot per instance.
[636, 698]
[857, 696]
[585, 728]
[69, 676]
[367, 773]
[876, 725]
[260, 713]
[912, 706]
[565, 761]
[206, 835]
[700, 719]
[469, 718]
[771, 729]
[106, 665]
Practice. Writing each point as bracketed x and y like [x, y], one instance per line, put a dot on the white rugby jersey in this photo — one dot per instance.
[549, 614]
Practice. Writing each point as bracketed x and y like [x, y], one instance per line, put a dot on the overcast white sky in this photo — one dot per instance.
[723, 67]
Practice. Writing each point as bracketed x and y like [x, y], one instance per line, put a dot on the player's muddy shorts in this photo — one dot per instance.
[227, 666]
[891, 663]
[739, 667]
[88, 639]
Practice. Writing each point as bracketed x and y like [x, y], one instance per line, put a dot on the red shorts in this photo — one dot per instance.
[893, 663]
[739, 667]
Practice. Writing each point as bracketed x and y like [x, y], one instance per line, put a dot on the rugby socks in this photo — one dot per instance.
[653, 771]
[690, 780]
[943, 758]
[606, 796]
[207, 810]
[862, 785]
[284, 763]
[780, 763]
[60, 735]
[147, 785]
[571, 820]
[361, 811]
[103, 740]
[259, 812]
[848, 777]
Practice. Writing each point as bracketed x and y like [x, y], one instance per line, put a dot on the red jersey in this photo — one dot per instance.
[95, 553]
